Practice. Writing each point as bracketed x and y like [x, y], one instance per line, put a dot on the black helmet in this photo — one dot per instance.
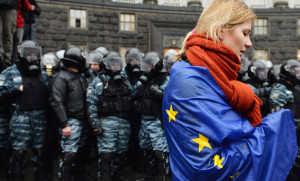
[73, 57]
[169, 59]
[258, 71]
[152, 62]
[102, 50]
[49, 62]
[113, 63]
[290, 70]
[95, 58]
[30, 54]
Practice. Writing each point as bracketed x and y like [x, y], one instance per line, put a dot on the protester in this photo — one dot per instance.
[29, 21]
[23, 5]
[8, 17]
[213, 123]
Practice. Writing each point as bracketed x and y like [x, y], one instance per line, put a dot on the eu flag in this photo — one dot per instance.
[208, 140]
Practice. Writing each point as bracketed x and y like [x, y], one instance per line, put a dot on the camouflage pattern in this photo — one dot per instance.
[78, 136]
[115, 137]
[27, 128]
[281, 96]
[4, 117]
[152, 135]
[116, 130]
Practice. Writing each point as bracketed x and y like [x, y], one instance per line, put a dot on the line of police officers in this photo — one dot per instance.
[120, 109]
[57, 98]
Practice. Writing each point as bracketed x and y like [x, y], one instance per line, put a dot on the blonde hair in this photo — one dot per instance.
[219, 14]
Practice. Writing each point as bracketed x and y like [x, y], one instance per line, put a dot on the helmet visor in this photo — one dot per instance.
[133, 59]
[115, 64]
[31, 54]
[261, 73]
[95, 58]
[147, 64]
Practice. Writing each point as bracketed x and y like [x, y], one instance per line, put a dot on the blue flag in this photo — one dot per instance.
[208, 140]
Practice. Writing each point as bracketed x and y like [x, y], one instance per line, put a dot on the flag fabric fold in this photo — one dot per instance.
[209, 140]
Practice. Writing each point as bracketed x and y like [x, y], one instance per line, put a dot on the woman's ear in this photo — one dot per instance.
[220, 32]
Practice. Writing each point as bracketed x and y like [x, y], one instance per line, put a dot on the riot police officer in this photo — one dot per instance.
[28, 88]
[169, 59]
[257, 72]
[132, 73]
[149, 102]
[69, 104]
[49, 63]
[109, 100]
[286, 93]
[95, 63]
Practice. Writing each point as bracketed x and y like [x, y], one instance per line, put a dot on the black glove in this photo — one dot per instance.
[143, 79]
[154, 89]
[98, 130]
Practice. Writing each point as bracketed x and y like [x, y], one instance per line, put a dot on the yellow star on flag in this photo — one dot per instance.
[202, 141]
[172, 114]
[218, 161]
[232, 177]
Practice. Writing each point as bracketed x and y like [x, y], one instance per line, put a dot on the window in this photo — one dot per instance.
[77, 18]
[260, 27]
[297, 3]
[298, 56]
[258, 3]
[83, 47]
[171, 2]
[127, 22]
[298, 24]
[261, 54]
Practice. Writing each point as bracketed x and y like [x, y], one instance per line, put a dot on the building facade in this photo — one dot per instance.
[158, 25]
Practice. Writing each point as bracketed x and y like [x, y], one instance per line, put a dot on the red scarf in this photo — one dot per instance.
[223, 64]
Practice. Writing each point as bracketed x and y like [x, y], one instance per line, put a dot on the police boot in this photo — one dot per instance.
[80, 172]
[5, 154]
[162, 161]
[17, 164]
[66, 170]
[38, 164]
[105, 166]
[119, 162]
[148, 163]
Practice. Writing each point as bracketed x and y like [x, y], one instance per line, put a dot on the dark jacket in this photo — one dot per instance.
[8, 4]
[69, 96]
[29, 15]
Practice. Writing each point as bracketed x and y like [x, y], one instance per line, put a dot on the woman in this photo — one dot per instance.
[213, 123]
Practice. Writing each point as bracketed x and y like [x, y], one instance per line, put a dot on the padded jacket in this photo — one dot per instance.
[69, 96]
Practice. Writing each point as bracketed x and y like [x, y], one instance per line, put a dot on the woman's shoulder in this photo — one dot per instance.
[194, 80]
